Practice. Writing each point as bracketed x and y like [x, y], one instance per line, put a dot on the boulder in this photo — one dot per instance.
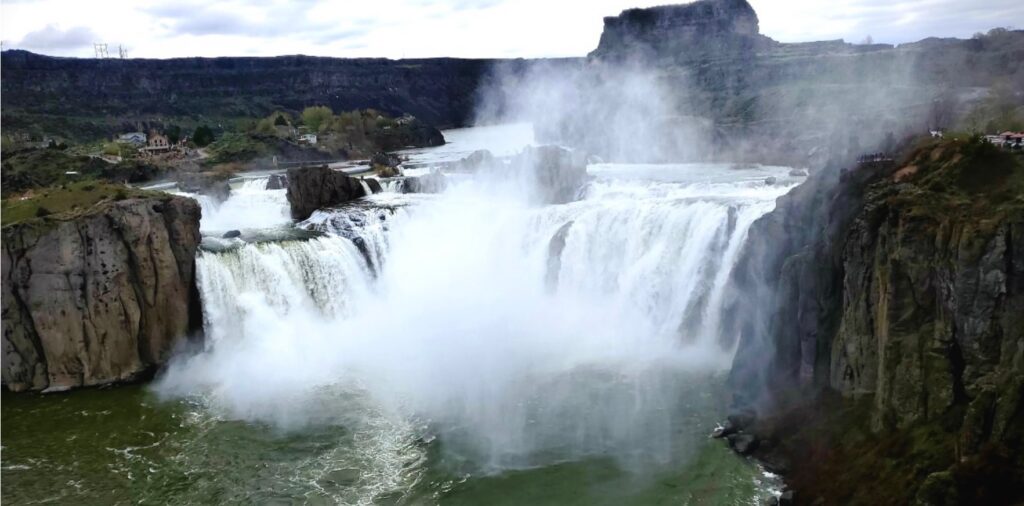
[277, 182]
[435, 182]
[231, 234]
[312, 188]
[101, 296]
[743, 444]
[205, 183]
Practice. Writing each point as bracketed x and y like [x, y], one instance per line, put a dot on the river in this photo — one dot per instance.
[469, 347]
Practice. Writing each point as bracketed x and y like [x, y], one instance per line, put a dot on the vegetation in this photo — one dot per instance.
[237, 147]
[966, 175]
[202, 136]
[66, 201]
[317, 117]
[36, 168]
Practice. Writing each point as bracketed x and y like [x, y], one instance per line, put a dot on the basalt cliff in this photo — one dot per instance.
[887, 339]
[740, 94]
[99, 295]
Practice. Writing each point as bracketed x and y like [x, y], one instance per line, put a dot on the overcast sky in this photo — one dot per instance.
[424, 28]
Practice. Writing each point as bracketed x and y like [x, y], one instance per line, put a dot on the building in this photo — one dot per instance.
[135, 138]
[308, 139]
[157, 143]
[1013, 140]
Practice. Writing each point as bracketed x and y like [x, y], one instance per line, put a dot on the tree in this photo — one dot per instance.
[173, 134]
[280, 121]
[316, 117]
[203, 136]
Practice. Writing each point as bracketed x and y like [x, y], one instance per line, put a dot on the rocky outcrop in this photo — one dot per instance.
[549, 174]
[900, 288]
[205, 183]
[312, 188]
[699, 30]
[100, 297]
[435, 182]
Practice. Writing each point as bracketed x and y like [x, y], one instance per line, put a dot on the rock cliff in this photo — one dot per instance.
[100, 296]
[312, 188]
[900, 287]
[60, 95]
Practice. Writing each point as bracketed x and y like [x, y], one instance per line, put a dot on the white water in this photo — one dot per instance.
[250, 206]
[439, 311]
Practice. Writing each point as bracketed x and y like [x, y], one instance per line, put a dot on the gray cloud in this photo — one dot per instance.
[290, 20]
[52, 38]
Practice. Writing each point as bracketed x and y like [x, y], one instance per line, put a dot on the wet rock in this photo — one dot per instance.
[727, 428]
[277, 182]
[205, 183]
[786, 498]
[312, 188]
[474, 161]
[385, 159]
[435, 182]
[231, 234]
[741, 419]
[798, 173]
[555, 248]
[743, 444]
[770, 180]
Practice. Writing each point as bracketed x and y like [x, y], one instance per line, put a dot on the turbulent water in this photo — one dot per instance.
[461, 348]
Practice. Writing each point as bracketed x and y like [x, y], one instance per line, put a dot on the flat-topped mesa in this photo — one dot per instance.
[702, 29]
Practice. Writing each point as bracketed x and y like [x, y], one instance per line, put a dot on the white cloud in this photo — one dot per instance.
[52, 38]
[425, 28]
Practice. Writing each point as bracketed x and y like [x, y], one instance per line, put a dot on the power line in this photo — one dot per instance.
[101, 50]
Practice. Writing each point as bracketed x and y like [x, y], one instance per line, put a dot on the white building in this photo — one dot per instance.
[308, 139]
[137, 138]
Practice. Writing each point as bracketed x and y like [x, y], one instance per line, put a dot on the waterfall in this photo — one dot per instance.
[366, 187]
[519, 334]
[250, 206]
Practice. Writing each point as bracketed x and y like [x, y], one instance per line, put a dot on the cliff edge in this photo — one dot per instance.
[98, 295]
[892, 295]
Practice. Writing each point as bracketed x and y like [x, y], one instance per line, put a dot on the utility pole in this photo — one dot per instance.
[101, 50]
[123, 51]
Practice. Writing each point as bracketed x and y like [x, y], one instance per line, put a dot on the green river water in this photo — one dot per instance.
[125, 446]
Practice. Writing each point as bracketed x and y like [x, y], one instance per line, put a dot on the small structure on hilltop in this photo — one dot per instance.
[308, 139]
[133, 138]
[1013, 140]
[157, 143]
[1007, 140]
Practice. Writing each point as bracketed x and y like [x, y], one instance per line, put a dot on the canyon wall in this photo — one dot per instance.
[99, 297]
[899, 286]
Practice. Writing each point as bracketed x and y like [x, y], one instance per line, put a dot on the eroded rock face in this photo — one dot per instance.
[312, 188]
[99, 298]
[900, 288]
[933, 315]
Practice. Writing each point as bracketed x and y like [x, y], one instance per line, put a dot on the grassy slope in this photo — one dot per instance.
[65, 202]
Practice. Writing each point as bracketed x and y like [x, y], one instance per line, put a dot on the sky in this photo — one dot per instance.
[458, 28]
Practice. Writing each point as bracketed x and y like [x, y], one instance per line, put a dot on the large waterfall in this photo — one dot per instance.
[516, 335]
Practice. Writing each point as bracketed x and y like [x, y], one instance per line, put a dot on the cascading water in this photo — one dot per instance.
[518, 336]
[250, 206]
